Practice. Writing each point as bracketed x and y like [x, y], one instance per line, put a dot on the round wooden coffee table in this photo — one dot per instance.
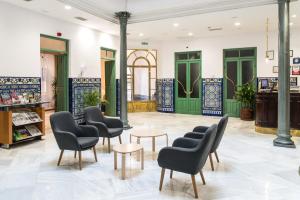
[124, 149]
[146, 133]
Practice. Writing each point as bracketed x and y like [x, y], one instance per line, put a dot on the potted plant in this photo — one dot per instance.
[93, 98]
[245, 94]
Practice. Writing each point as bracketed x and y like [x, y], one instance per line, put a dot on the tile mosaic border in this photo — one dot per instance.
[20, 84]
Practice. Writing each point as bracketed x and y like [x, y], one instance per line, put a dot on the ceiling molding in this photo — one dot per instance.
[172, 12]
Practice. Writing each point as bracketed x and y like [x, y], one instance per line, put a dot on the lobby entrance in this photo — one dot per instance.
[188, 82]
[239, 69]
[54, 72]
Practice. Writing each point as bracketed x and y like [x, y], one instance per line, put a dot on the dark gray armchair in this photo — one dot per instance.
[108, 127]
[220, 132]
[70, 136]
[187, 155]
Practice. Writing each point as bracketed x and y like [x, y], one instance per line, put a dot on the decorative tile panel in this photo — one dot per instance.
[20, 85]
[77, 88]
[165, 95]
[212, 96]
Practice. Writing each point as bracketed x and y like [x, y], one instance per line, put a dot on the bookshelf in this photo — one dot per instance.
[8, 126]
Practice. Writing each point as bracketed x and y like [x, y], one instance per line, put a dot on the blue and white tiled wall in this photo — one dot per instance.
[77, 87]
[165, 95]
[20, 85]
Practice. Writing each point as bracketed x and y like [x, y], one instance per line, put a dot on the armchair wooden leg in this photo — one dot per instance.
[103, 141]
[60, 156]
[108, 145]
[202, 177]
[217, 157]
[162, 174]
[79, 152]
[194, 186]
[211, 162]
[95, 154]
[171, 174]
[75, 154]
[120, 139]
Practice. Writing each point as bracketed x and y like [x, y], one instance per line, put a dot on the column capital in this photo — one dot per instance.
[123, 16]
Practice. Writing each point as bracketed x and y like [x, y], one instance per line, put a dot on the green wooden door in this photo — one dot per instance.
[62, 86]
[238, 71]
[110, 88]
[188, 87]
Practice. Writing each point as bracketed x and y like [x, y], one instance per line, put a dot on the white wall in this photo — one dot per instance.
[212, 52]
[20, 31]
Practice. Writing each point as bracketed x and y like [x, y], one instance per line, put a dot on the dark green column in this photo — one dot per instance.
[283, 135]
[123, 19]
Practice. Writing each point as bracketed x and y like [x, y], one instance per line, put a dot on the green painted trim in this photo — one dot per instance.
[54, 37]
[108, 49]
[52, 51]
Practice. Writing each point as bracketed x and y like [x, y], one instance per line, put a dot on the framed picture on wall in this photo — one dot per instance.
[296, 70]
[275, 69]
[270, 54]
[291, 53]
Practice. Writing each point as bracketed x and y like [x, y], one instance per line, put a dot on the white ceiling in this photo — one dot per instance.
[148, 10]
[252, 19]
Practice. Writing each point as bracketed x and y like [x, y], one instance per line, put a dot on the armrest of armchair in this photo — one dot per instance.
[67, 140]
[200, 129]
[185, 142]
[113, 122]
[88, 131]
[194, 135]
[102, 128]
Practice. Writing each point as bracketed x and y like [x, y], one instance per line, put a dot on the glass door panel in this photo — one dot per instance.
[231, 78]
[181, 80]
[141, 84]
[194, 80]
[247, 71]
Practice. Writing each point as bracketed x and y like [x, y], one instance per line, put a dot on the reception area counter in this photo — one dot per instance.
[267, 113]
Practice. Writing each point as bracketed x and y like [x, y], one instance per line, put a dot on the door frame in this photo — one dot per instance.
[64, 106]
[188, 61]
[113, 99]
[238, 59]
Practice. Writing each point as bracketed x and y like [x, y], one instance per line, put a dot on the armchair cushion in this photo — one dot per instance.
[113, 132]
[200, 129]
[88, 131]
[185, 142]
[87, 142]
[194, 135]
[113, 123]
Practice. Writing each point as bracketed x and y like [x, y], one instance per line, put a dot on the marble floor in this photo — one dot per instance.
[251, 168]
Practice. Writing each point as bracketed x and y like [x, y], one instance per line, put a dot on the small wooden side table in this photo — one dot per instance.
[124, 149]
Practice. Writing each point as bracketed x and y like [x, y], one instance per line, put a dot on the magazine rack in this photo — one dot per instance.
[7, 126]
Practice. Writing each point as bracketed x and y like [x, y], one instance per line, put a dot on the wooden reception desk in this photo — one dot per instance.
[267, 113]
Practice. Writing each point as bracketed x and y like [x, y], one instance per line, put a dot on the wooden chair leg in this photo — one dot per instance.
[211, 162]
[108, 145]
[120, 139]
[171, 174]
[75, 154]
[60, 156]
[202, 177]
[217, 157]
[162, 174]
[194, 186]
[79, 152]
[95, 154]
[103, 141]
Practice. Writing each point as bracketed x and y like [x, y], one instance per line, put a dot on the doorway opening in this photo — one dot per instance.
[239, 69]
[188, 82]
[108, 81]
[54, 73]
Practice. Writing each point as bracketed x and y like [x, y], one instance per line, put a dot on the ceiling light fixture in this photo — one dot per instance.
[294, 16]
[67, 7]
[291, 23]
[175, 24]
[237, 23]
[141, 34]
[190, 34]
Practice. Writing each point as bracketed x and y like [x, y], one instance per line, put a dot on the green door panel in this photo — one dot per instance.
[110, 88]
[237, 72]
[62, 95]
[188, 87]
